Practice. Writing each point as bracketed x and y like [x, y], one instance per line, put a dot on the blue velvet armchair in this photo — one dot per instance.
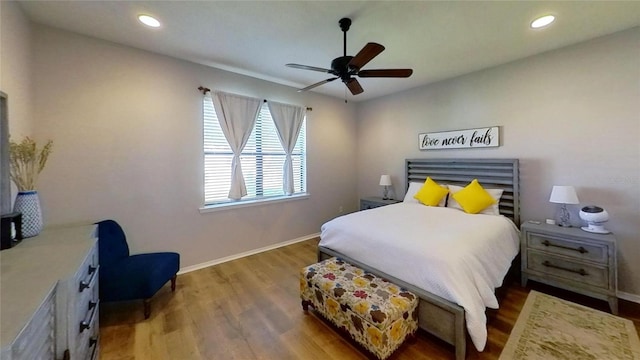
[131, 277]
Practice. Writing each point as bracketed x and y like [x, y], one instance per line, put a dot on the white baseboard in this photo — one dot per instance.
[629, 297]
[187, 269]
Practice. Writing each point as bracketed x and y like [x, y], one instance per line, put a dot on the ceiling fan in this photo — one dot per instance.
[346, 67]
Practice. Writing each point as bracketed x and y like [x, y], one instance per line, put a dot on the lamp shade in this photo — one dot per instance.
[385, 180]
[561, 194]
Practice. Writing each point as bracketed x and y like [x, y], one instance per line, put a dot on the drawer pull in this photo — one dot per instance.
[581, 272]
[86, 284]
[86, 324]
[93, 343]
[581, 250]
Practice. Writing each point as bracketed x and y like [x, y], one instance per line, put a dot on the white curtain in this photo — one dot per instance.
[237, 116]
[288, 120]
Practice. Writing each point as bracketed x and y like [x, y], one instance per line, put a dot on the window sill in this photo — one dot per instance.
[241, 204]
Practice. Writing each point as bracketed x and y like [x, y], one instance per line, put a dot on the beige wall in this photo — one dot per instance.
[127, 126]
[15, 71]
[571, 116]
[127, 131]
[15, 67]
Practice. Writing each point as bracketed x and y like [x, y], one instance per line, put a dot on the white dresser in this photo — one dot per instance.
[49, 296]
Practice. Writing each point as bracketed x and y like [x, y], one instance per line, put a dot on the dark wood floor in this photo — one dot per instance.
[250, 309]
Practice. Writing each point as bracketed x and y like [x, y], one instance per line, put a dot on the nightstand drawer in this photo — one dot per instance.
[365, 204]
[567, 269]
[374, 202]
[574, 249]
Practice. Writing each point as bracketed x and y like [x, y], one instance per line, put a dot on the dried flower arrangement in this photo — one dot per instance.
[26, 162]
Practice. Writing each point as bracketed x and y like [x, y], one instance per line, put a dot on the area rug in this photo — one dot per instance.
[551, 328]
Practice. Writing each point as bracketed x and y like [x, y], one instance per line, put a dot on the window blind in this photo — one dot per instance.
[262, 159]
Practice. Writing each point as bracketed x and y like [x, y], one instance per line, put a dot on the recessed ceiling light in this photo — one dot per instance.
[542, 21]
[149, 21]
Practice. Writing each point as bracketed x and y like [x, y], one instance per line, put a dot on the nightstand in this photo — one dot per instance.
[374, 202]
[571, 259]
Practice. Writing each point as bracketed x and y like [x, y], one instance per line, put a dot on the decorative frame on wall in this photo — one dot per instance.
[460, 139]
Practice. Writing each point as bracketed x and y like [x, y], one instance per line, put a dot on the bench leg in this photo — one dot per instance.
[305, 305]
[173, 283]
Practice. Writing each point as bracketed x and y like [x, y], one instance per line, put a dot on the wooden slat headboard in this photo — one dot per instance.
[491, 173]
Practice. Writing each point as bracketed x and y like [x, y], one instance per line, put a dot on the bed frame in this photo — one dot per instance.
[438, 316]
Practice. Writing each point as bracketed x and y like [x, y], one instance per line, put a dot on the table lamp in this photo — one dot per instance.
[385, 180]
[564, 195]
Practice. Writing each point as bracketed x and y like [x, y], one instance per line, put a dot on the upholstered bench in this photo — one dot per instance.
[376, 313]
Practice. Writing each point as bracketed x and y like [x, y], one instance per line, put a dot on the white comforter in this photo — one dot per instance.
[444, 251]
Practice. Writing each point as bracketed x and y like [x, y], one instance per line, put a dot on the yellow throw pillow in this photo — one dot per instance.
[431, 193]
[473, 198]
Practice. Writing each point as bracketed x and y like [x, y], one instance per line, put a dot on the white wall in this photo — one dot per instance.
[571, 116]
[127, 132]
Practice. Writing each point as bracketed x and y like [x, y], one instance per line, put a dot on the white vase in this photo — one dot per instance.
[28, 203]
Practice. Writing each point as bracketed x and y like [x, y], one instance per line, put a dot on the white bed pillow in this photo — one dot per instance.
[414, 187]
[494, 209]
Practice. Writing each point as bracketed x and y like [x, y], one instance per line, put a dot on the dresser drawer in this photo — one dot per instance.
[86, 299]
[83, 307]
[86, 303]
[94, 347]
[565, 268]
[88, 339]
[85, 285]
[87, 271]
[575, 249]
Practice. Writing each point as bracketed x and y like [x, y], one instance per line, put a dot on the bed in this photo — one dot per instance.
[444, 312]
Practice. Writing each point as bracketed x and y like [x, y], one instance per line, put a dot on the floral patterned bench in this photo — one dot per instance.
[376, 313]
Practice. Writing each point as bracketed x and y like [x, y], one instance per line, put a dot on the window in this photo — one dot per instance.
[262, 159]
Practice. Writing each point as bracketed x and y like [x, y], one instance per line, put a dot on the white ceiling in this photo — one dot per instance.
[439, 40]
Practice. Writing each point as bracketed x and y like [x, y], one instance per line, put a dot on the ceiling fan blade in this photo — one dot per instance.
[354, 86]
[365, 55]
[317, 84]
[306, 67]
[399, 73]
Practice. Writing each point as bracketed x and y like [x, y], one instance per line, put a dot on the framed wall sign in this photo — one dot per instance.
[460, 139]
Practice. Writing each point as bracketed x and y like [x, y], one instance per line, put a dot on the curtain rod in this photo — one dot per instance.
[206, 90]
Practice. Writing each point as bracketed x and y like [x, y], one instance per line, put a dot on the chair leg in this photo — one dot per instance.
[173, 283]
[147, 308]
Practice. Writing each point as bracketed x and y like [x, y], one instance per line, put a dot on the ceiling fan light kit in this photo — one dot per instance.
[346, 67]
